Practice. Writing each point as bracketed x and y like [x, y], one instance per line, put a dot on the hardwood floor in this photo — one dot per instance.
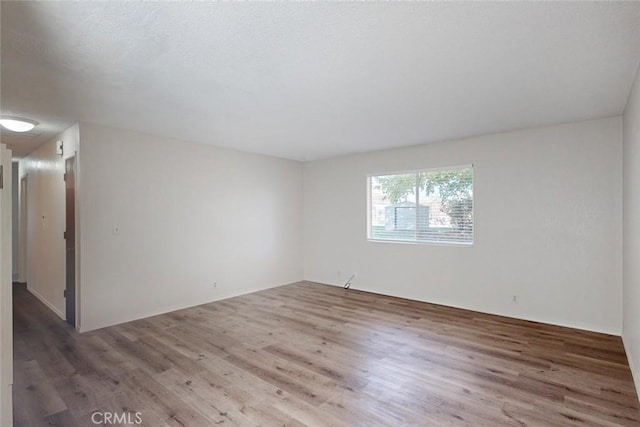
[308, 354]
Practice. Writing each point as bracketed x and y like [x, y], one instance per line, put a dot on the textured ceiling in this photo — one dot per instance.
[313, 80]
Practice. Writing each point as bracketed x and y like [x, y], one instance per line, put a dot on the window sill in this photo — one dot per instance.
[423, 242]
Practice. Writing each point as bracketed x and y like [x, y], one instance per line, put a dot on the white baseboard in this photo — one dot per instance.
[583, 327]
[182, 306]
[47, 303]
[634, 374]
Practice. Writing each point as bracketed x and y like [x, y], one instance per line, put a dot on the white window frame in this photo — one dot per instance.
[421, 242]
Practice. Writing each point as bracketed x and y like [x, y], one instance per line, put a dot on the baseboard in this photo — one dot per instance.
[634, 374]
[172, 308]
[47, 303]
[581, 327]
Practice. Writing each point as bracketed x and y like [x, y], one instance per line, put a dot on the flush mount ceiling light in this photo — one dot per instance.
[17, 124]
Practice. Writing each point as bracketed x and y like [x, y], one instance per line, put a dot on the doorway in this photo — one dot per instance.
[70, 239]
[22, 239]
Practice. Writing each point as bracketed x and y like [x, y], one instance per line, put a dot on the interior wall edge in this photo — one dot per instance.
[635, 374]
[46, 302]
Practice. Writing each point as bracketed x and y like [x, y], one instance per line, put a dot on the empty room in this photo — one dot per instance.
[319, 213]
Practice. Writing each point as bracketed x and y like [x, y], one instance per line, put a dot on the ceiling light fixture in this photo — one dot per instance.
[17, 124]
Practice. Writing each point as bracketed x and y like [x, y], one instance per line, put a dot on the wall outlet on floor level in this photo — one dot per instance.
[515, 299]
[215, 284]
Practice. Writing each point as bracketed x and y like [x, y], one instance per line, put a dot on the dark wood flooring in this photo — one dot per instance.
[309, 354]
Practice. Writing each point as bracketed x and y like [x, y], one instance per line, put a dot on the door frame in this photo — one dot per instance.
[22, 232]
[70, 180]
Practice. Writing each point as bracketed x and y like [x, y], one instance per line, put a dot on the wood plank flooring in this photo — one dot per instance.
[310, 354]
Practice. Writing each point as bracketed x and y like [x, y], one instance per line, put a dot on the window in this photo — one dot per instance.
[434, 206]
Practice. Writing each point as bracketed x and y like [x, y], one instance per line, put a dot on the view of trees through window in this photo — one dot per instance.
[429, 206]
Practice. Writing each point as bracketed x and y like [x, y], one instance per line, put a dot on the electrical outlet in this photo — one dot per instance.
[514, 299]
[339, 273]
[215, 284]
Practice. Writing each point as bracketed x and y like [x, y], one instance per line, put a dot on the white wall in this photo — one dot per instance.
[188, 215]
[548, 226]
[6, 291]
[45, 264]
[631, 289]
